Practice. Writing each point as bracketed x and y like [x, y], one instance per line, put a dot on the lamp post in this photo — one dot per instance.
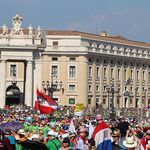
[50, 86]
[111, 93]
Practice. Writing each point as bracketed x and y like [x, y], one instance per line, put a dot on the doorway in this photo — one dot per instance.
[12, 95]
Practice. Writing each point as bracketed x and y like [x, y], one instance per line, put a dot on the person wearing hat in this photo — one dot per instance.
[5, 143]
[72, 138]
[130, 143]
[81, 139]
[20, 139]
[9, 134]
[52, 142]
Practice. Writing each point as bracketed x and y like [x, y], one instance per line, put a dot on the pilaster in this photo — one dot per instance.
[29, 84]
[2, 83]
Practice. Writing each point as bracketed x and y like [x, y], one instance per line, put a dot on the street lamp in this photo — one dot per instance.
[51, 86]
[111, 92]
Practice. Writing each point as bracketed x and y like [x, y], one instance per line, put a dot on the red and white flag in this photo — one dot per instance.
[44, 103]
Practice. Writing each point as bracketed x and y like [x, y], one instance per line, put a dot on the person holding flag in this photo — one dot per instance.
[102, 135]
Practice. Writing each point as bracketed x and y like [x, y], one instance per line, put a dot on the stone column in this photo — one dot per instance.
[121, 104]
[2, 83]
[93, 84]
[29, 84]
[115, 85]
[128, 105]
[140, 87]
[101, 82]
[146, 85]
[108, 83]
[134, 86]
[37, 78]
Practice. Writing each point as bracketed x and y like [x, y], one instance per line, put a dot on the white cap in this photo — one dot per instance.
[35, 136]
[65, 135]
[51, 132]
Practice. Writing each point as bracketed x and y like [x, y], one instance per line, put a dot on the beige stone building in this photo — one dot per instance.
[92, 68]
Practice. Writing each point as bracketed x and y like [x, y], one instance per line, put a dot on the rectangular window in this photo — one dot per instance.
[89, 101]
[131, 88]
[143, 76]
[143, 89]
[97, 72]
[104, 88]
[118, 74]
[72, 59]
[71, 87]
[90, 72]
[137, 75]
[104, 101]
[97, 88]
[125, 88]
[55, 44]
[104, 73]
[97, 100]
[131, 75]
[54, 58]
[72, 71]
[54, 71]
[13, 70]
[71, 100]
[111, 73]
[90, 88]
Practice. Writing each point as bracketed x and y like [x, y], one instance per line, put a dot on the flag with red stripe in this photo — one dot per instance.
[102, 137]
[44, 103]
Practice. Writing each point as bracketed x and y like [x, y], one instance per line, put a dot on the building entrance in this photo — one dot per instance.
[12, 95]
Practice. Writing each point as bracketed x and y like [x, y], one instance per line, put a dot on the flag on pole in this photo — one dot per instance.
[44, 103]
[128, 76]
[79, 109]
[102, 137]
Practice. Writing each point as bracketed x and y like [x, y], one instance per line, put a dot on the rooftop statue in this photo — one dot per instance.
[5, 29]
[17, 22]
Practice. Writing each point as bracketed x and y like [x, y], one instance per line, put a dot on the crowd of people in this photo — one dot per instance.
[22, 128]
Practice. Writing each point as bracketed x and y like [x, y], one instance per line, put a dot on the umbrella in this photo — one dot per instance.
[34, 145]
[13, 126]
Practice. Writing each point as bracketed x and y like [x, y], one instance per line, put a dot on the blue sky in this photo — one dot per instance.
[128, 18]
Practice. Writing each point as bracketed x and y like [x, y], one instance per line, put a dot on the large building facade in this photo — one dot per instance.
[93, 68]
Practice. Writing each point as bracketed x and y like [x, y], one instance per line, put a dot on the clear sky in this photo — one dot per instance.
[128, 18]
